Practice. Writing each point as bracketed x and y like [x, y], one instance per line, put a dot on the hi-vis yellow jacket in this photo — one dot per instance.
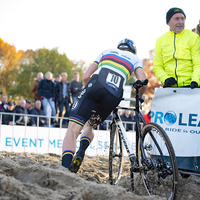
[178, 56]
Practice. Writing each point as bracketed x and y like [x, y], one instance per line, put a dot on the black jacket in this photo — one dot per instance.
[78, 85]
[59, 91]
[20, 120]
[46, 89]
[34, 111]
[7, 118]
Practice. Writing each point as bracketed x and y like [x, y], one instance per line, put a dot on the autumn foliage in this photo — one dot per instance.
[9, 65]
[18, 69]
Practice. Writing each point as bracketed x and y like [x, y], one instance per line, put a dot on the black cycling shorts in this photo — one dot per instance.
[95, 103]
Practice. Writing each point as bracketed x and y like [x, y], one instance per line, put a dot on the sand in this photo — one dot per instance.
[40, 176]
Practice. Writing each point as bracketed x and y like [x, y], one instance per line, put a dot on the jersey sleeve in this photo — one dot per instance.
[138, 64]
[97, 60]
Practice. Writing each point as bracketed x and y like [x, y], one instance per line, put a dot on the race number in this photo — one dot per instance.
[113, 79]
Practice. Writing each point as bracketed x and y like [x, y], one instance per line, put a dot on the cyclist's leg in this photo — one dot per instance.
[85, 140]
[69, 143]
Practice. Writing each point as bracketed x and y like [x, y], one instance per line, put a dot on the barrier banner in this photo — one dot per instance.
[49, 140]
[177, 111]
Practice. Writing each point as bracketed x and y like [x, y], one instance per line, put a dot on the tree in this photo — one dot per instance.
[42, 60]
[9, 65]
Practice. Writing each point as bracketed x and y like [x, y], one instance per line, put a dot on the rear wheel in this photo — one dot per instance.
[162, 177]
[115, 156]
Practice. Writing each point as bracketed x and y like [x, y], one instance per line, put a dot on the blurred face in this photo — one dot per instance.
[57, 79]
[48, 76]
[76, 77]
[38, 105]
[10, 107]
[127, 112]
[23, 103]
[64, 78]
[4, 99]
[177, 23]
[40, 76]
[27, 105]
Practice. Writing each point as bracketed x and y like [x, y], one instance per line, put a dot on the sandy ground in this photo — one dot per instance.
[41, 176]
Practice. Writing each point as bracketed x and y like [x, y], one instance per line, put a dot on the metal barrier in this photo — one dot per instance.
[59, 118]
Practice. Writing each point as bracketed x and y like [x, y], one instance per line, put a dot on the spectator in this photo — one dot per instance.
[177, 53]
[76, 87]
[38, 111]
[46, 91]
[133, 115]
[56, 81]
[21, 120]
[4, 100]
[63, 92]
[28, 106]
[8, 119]
[35, 84]
[126, 116]
[147, 117]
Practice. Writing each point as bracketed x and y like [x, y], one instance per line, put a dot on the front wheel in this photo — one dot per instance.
[115, 155]
[158, 163]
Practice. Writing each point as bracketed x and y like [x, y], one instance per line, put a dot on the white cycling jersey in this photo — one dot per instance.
[123, 62]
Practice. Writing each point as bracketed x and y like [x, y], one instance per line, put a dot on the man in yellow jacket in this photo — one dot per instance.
[177, 53]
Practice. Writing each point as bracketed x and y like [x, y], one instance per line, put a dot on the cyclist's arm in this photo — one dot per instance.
[86, 77]
[139, 73]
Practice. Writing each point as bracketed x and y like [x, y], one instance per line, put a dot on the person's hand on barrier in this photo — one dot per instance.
[42, 121]
[53, 99]
[193, 85]
[170, 81]
[42, 97]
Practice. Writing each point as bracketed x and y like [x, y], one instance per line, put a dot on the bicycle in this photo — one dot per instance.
[154, 158]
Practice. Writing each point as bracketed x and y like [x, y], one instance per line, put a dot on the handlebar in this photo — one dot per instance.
[139, 83]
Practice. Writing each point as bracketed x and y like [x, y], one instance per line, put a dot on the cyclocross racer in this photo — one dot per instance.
[105, 80]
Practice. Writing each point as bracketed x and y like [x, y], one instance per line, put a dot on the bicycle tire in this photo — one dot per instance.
[115, 156]
[162, 178]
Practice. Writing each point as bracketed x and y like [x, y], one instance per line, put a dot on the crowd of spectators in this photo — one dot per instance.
[50, 94]
[59, 94]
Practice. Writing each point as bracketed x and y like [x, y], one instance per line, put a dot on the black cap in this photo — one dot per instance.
[173, 11]
[10, 103]
[28, 101]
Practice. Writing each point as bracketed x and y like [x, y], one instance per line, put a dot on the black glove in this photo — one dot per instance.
[193, 84]
[170, 81]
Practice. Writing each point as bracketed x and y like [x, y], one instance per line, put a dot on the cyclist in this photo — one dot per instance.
[105, 80]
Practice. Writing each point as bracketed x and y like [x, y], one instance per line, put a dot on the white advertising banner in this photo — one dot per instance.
[49, 140]
[177, 111]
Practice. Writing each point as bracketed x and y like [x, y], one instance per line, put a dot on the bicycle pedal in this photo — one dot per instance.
[135, 168]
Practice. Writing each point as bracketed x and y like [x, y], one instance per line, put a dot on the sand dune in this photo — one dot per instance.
[41, 176]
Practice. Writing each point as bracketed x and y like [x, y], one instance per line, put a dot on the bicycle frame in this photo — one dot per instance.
[138, 118]
[122, 131]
